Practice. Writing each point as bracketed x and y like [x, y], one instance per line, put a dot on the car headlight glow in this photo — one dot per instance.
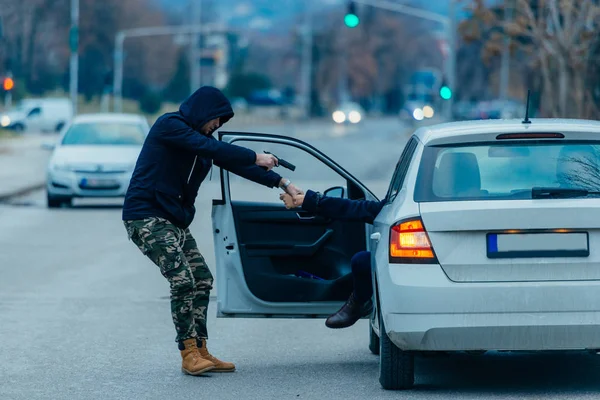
[354, 117]
[418, 114]
[5, 121]
[339, 117]
[428, 112]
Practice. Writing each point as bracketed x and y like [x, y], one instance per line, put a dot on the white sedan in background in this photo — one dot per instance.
[489, 240]
[95, 157]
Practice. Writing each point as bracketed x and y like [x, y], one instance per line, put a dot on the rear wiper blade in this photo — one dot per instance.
[559, 193]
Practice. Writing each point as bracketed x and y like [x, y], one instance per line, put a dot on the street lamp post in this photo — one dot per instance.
[448, 24]
[306, 69]
[141, 32]
[74, 45]
[195, 71]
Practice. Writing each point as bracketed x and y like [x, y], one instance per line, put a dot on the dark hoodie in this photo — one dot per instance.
[176, 158]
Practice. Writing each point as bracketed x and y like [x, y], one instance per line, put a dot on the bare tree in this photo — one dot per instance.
[558, 36]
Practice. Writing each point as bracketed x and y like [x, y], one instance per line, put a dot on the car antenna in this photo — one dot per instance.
[527, 120]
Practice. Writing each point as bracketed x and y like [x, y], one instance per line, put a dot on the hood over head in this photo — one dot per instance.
[205, 104]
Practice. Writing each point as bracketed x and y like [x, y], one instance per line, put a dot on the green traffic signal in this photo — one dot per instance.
[445, 92]
[351, 20]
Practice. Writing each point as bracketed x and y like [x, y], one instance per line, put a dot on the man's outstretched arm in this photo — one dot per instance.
[259, 175]
[332, 207]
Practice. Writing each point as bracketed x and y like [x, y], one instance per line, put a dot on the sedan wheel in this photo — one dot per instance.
[396, 367]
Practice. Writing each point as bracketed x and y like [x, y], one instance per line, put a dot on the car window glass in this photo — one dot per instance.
[310, 173]
[401, 169]
[507, 171]
[34, 112]
[105, 133]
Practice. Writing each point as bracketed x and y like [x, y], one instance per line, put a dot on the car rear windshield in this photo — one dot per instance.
[104, 133]
[492, 171]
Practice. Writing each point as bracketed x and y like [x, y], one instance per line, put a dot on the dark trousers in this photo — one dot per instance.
[361, 274]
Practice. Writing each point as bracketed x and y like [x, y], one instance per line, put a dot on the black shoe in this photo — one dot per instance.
[350, 312]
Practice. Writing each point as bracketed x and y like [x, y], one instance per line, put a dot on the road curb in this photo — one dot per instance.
[21, 192]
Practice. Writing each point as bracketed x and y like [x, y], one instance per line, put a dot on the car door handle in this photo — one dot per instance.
[300, 217]
[376, 236]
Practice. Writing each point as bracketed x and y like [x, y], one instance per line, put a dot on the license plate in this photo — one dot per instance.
[528, 245]
[94, 183]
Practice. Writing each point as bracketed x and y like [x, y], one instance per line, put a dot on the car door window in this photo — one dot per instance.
[36, 112]
[310, 173]
[401, 169]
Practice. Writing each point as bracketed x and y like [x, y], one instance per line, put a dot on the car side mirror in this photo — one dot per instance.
[337, 192]
[48, 146]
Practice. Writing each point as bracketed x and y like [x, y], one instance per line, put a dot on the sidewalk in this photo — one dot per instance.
[23, 164]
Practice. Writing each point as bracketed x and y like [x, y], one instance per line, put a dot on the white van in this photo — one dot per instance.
[38, 115]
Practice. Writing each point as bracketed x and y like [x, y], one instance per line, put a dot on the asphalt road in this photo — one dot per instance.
[83, 315]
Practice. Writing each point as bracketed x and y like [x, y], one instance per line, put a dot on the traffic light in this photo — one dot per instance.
[445, 92]
[351, 19]
[8, 84]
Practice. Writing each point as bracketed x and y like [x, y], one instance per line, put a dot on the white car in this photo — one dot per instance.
[46, 115]
[489, 241]
[95, 157]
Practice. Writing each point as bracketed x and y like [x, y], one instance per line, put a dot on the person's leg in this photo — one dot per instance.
[162, 242]
[362, 276]
[360, 303]
[203, 284]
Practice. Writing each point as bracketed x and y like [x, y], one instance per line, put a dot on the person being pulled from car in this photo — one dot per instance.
[360, 303]
[176, 157]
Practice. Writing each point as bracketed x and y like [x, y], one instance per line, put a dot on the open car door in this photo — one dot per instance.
[274, 262]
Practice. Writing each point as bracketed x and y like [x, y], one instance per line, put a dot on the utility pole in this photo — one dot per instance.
[74, 44]
[307, 60]
[505, 66]
[451, 61]
[195, 70]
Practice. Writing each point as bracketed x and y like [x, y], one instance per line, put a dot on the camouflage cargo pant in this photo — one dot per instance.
[175, 252]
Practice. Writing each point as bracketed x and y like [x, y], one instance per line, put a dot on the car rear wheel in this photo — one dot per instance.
[396, 367]
[19, 127]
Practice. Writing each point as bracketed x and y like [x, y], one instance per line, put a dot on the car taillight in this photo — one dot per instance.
[410, 244]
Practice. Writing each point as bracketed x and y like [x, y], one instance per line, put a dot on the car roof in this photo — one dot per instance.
[478, 127]
[109, 117]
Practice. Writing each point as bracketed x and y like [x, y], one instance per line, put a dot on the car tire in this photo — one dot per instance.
[19, 127]
[59, 126]
[373, 341]
[396, 367]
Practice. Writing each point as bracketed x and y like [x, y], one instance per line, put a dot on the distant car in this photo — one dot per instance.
[95, 157]
[488, 240]
[46, 115]
[348, 113]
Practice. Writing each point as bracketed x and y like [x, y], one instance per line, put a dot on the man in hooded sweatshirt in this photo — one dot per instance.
[176, 157]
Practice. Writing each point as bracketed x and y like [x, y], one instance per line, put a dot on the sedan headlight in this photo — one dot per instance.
[354, 117]
[428, 112]
[339, 117]
[5, 121]
[418, 114]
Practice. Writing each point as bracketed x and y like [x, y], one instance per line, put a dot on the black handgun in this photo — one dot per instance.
[283, 163]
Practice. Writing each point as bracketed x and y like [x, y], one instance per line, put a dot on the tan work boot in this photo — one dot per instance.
[220, 366]
[193, 363]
